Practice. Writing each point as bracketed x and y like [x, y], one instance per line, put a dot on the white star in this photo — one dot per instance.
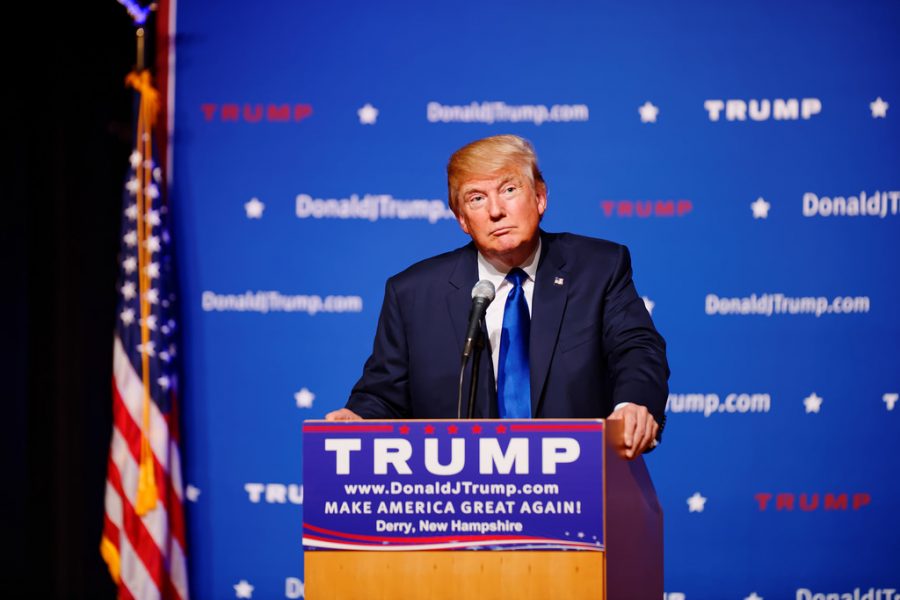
[164, 356]
[254, 208]
[151, 322]
[153, 296]
[879, 108]
[368, 114]
[304, 398]
[164, 382]
[152, 270]
[152, 243]
[127, 316]
[760, 208]
[131, 212]
[128, 290]
[648, 112]
[132, 186]
[152, 217]
[696, 503]
[130, 238]
[135, 159]
[580, 534]
[157, 174]
[753, 596]
[812, 403]
[890, 400]
[152, 191]
[649, 304]
[243, 589]
[129, 264]
[149, 348]
[191, 493]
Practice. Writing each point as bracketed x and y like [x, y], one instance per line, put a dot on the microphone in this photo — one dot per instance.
[482, 295]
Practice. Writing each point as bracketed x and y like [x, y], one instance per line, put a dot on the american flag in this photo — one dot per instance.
[143, 540]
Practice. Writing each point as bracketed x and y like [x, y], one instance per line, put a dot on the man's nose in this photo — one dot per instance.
[495, 207]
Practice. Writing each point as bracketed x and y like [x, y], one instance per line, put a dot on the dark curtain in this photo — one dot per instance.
[67, 137]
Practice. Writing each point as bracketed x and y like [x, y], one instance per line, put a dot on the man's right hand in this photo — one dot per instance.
[343, 414]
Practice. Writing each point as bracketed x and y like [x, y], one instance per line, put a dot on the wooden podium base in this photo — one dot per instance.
[486, 575]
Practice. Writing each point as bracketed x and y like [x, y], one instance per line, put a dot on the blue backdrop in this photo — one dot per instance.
[747, 153]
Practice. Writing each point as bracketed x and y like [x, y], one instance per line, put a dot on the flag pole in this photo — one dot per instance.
[139, 35]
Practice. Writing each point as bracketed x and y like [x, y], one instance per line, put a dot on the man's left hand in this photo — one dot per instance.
[640, 428]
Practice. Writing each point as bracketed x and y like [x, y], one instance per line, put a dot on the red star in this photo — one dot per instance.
[476, 428]
[452, 429]
[501, 428]
[429, 429]
[404, 429]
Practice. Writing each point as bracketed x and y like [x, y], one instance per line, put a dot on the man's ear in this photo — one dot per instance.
[541, 195]
[462, 223]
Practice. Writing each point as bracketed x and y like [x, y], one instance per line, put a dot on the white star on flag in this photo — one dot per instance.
[152, 217]
[152, 191]
[696, 503]
[152, 243]
[812, 403]
[304, 398]
[754, 596]
[152, 270]
[648, 304]
[153, 296]
[131, 212]
[648, 112]
[191, 493]
[132, 186]
[149, 348]
[128, 290]
[760, 208]
[151, 322]
[890, 400]
[163, 382]
[135, 159]
[879, 108]
[368, 114]
[243, 589]
[127, 317]
[254, 208]
[580, 534]
[130, 238]
[129, 264]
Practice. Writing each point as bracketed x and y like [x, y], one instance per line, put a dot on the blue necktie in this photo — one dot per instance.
[513, 377]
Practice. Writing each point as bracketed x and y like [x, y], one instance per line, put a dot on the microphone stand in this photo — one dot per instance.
[476, 363]
[477, 345]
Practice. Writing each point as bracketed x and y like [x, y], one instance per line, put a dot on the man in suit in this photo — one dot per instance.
[567, 334]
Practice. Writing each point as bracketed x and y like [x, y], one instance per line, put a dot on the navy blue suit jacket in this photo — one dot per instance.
[592, 342]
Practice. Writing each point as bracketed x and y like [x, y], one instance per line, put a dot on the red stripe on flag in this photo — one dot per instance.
[165, 492]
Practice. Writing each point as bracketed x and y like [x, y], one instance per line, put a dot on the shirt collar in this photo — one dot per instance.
[488, 271]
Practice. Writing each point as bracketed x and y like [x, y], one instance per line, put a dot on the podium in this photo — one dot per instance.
[520, 509]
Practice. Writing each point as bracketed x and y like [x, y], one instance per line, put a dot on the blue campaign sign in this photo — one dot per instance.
[453, 485]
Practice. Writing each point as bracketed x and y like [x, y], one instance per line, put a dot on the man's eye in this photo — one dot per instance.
[510, 189]
[476, 199]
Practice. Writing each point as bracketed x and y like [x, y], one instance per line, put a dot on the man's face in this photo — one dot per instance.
[501, 213]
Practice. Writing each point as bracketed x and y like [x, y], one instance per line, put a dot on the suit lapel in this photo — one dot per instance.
[548, 306]
[459, 298]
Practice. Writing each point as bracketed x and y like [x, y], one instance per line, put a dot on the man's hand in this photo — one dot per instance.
[640, 427]
[343, 414]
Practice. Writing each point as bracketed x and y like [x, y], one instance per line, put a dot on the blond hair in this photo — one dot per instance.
[488, 157]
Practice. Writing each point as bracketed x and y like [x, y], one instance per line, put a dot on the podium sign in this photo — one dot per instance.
[453, 485]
